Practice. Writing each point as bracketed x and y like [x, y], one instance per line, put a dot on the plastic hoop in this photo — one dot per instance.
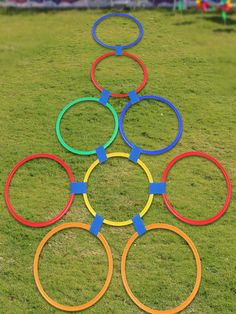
[122, 15]
[8, 182]
[145, 209]
[228, 197]
[112, 53]
[198, 276]
[36, 274]
[82, 152]
[158, 151]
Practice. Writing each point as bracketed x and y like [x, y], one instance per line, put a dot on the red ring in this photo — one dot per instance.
[112, 53]
[228, 197]
[8, 182]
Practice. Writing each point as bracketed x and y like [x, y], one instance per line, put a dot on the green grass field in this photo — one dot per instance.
[45, 59]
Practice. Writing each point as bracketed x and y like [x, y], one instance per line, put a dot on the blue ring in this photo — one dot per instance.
[117, 14]
[158, 151]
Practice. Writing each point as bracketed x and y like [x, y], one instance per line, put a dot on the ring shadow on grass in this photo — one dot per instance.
[224, 30]
[218, 19]
[184, 23]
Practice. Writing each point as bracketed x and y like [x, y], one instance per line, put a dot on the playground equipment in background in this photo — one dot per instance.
[223, 7]
[203, 5]
[155, 188]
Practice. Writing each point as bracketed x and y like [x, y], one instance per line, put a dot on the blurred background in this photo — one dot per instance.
[173, 4]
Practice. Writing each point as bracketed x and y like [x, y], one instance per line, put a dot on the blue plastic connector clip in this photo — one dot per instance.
[105, 94]
[96, 225]
[78, 187]
[157, 188]
[101, 153]
[139, 225]
[118, 50]
[133, 97]
[135, 153]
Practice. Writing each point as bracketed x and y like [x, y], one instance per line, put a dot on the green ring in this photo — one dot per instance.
[82, 152]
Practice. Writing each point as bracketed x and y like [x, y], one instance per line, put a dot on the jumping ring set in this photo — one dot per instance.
[155, 188]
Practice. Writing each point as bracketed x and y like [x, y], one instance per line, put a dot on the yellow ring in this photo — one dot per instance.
[190, 298]
[150, 198]
[36, 274]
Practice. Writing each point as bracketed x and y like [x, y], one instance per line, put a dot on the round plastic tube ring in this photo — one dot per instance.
[94, 34]
[83, 152]
[36, 273]
[198, 275]
[8, 182]
[111, 222]
[112, 53]
[228, 196]
[157, 151]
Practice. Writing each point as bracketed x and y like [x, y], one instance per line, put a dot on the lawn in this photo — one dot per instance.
[45, 59]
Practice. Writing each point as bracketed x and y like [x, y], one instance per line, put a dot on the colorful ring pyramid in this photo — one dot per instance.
[155, 188]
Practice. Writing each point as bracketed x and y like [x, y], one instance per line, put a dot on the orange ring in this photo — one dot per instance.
[36, 275]
[198, 276]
